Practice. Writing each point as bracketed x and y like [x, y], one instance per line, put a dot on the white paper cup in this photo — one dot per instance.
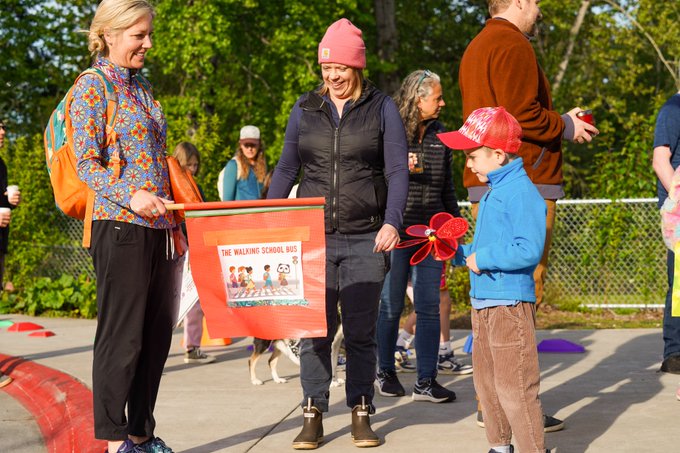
[11, 190]
[5, 210]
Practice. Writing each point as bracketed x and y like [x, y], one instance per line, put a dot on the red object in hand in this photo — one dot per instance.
[587, 116]
[442, 234]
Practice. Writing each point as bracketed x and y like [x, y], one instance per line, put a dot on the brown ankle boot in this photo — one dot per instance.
[312, 429]
[362, 434]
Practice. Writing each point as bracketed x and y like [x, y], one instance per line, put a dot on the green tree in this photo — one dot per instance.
[217, 65]
[616, 70]
[235, 63]
[41, 52]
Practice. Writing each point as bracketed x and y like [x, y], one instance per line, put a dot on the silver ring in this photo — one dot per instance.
[154, 211]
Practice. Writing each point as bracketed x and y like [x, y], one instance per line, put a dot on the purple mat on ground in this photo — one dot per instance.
[559, 345]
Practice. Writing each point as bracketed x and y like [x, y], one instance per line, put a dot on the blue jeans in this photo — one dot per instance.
[425, 277]
[671, 325]
[354, 278]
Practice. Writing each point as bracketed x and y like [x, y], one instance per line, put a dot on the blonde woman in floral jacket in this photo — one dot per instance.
[132, 244]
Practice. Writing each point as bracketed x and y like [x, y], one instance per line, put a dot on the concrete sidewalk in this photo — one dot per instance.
[611, 397]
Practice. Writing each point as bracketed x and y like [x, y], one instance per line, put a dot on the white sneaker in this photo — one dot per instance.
[4, 380]
[448, 364]
[195, 355]
[402, 362]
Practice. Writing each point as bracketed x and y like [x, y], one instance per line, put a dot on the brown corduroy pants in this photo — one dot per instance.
[507, 375]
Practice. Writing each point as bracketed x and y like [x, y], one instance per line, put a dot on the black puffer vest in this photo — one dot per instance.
[432, 190]
[344, 164]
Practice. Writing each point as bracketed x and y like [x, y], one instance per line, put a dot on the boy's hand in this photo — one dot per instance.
[471, 262]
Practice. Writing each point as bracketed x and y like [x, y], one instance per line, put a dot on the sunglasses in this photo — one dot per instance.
[426, 73]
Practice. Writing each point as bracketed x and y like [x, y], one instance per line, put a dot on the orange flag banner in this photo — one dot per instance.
[260, 266]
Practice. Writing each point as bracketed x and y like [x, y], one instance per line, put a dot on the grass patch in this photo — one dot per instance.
[550, 317]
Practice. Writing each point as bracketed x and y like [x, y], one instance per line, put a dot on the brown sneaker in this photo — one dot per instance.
[312, 429]
[362, 434]
[671, 364]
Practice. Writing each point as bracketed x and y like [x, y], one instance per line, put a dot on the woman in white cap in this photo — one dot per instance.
[349, 141]
[243, 176]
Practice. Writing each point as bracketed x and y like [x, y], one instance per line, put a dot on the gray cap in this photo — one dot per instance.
[249, 134]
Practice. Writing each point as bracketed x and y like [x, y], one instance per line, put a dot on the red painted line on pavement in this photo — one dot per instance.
[60, 404]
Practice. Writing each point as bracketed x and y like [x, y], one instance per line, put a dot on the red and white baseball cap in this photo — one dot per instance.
[492, 127]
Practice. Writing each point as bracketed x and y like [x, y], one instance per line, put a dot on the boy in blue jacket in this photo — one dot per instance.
[507, 246]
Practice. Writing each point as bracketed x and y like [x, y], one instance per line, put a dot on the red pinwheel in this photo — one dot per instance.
[442, 234]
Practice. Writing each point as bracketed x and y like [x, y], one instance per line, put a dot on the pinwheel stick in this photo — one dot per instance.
[445, 242]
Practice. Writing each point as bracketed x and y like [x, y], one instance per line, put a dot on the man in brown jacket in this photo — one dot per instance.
[499, 68]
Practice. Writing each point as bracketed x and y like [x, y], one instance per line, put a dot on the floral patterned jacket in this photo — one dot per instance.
[141, 130]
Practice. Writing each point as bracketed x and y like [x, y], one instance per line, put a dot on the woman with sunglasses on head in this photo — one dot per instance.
[430, 191]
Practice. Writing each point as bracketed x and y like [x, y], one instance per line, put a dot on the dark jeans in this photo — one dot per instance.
[425, 277]
[671, 325]
[137, 307]
[354, 278]
[2, 271]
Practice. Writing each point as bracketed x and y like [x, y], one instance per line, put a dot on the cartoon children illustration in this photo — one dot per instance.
[250, 283]
[242, 276]
[242, 280]
[232, 277]
[267, 277]
[283, 270]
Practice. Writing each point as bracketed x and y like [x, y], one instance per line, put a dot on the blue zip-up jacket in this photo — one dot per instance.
[509, 237]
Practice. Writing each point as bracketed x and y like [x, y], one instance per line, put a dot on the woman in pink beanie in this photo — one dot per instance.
[349, 141]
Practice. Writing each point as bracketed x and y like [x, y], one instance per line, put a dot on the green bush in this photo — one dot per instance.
[458, 283]
[34, 227]
[65, 296]
[44, 285]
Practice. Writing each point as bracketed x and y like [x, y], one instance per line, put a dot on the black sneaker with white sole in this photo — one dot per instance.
[387, 384]
[550, 423]
[430, 390]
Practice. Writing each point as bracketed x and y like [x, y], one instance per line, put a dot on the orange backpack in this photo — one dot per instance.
[73, 197]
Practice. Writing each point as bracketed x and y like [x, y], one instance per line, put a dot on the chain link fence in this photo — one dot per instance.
[608, 254]
[605, 253]
[69, 258]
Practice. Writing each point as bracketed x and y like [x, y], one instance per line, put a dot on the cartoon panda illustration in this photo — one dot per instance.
[283, 270]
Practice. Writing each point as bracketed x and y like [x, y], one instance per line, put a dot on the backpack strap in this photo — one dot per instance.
[145, 84]
[87, 222]
[111, 111]
[110, 138]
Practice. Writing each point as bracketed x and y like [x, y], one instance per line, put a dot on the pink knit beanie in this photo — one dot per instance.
[342, 44]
